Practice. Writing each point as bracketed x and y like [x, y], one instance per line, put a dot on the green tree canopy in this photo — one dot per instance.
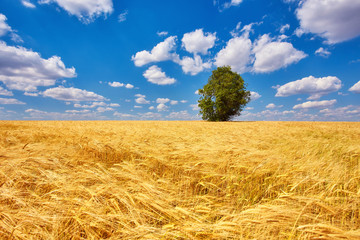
[224, 96]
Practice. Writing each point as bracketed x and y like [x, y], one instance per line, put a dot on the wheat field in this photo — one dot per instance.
[179, 180]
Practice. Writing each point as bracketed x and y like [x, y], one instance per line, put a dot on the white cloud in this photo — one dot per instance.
[119, 84]
[254, 96]
[137, 106]
[322, 52]
[72, 111]
[197, 92]
[348, 112]
[194, 107]
[141, 99]
[272, 55]
[122, 16]
[198, 42]
[236, 54]
[162, 100]
[355, 88]
[85, 10]
[315, 87]
[174, 102]
[155, 75]
[116, 84]
[271, 105]
[4, 27]
[284, 28]
[334, 20]
[232, 3]
[193, 65]
[104, 109]
[183, 101]
[31, 94]
[266, 54]
[162, 107]
[182, 115]
[123, 115]
[114, 105]
[10, 101]
[68, 115]
[28, 4]
[249, 108]
[94, 104]
[151, 108]
[315, 104]
[5, 92]
[162, 34]
[161, 52]
[299, 32]
[72, 94]
[150, 115]
[25, 70]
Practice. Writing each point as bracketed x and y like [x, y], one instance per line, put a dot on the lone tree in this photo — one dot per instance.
[224, 96]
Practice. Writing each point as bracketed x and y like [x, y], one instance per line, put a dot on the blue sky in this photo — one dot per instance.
[144, 60]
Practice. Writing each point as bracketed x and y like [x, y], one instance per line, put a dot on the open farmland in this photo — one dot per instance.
[179, 180]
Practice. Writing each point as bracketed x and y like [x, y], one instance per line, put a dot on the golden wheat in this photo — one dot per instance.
[179, 180]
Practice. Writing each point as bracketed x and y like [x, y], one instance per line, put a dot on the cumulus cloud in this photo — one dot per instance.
[25, 70]
[161, 52]
[116, 84]
[129, 86]
[315, 104]
[162, 107]
[162, 100]
[85, 10]
[254, 96]
[141, 99]
[355, 88]
[10, 101]
[119, 84]
[198, 42]
[272, 55]
[155, 75]
[348, 112]
[28, 4]
[322, 52]
[5, 92]
[335, 20]
[315, 87]
[174, 102]
[271, 105]
[236, 54]
[72, 94]
[193, 65]
[266, 54]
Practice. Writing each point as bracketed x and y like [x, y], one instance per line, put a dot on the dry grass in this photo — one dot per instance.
[179, 180]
